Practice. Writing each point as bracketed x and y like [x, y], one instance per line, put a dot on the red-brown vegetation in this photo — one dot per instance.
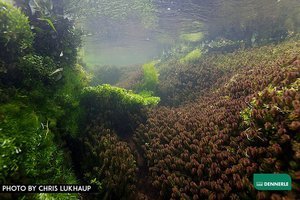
[210, 148]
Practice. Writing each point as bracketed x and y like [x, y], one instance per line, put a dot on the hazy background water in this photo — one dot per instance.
[129, 42]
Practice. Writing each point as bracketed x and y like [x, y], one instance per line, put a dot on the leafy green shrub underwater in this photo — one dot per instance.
[117, 108]
[28, 152]
[16, 37]
[192, 37]
[68, 97]
[149, 80]
[109, 93]
[34, 109]
[55, 34]
[191, 56]
[37, 70]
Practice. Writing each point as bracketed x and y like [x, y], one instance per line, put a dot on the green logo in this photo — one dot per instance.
[272, 182]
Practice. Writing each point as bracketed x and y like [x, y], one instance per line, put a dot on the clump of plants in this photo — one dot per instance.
[32, 109]
[150, 79]
[55, 34]
[67, 96]
[37, 70]
[110, 113]
[117, 108]
[109, 164]
[272, 137]
[126, 97]
[192, 56]
[223, 45]
[192, 37]
[29, 154]
[184, 82]
[202, 149]
[16, 37]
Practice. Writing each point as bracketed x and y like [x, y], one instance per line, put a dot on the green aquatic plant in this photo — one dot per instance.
[39, 98]
[108, 93]
[16, 37]
[52, 196]
[191, 56]
[67, 95]
[150, 77]
[49, 21]
[73, 80]
[28, 147]
[192, 37]
[55, 35]
[116, 108]
[8, 160]
[37, 70]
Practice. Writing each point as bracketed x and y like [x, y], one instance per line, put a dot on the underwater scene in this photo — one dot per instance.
[150, 99]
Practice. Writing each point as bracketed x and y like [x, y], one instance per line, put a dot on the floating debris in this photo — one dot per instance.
[58, 73]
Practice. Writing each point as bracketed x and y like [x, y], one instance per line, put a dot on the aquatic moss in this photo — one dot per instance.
[29, 148]
[16, 37]
[150, 77]
[108, 93]
[191, 56]
[192, 37]
[29, 153]
[36, 71]
[67, 97]
[59, 196]
[116, 108]
[35, 100]
[8, 161]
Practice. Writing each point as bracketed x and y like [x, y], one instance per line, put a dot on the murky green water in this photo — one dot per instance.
[129, 42]
[113, 53]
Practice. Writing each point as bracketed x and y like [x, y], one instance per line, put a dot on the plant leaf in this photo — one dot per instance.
[50, 23]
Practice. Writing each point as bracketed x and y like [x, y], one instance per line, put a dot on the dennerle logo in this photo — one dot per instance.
[272, 181]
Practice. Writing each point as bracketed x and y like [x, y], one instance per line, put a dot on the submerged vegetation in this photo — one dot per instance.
[150, 78]
[224, 107]
[192, 56]
[192, 37]
[209, 147]
[16, 35]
